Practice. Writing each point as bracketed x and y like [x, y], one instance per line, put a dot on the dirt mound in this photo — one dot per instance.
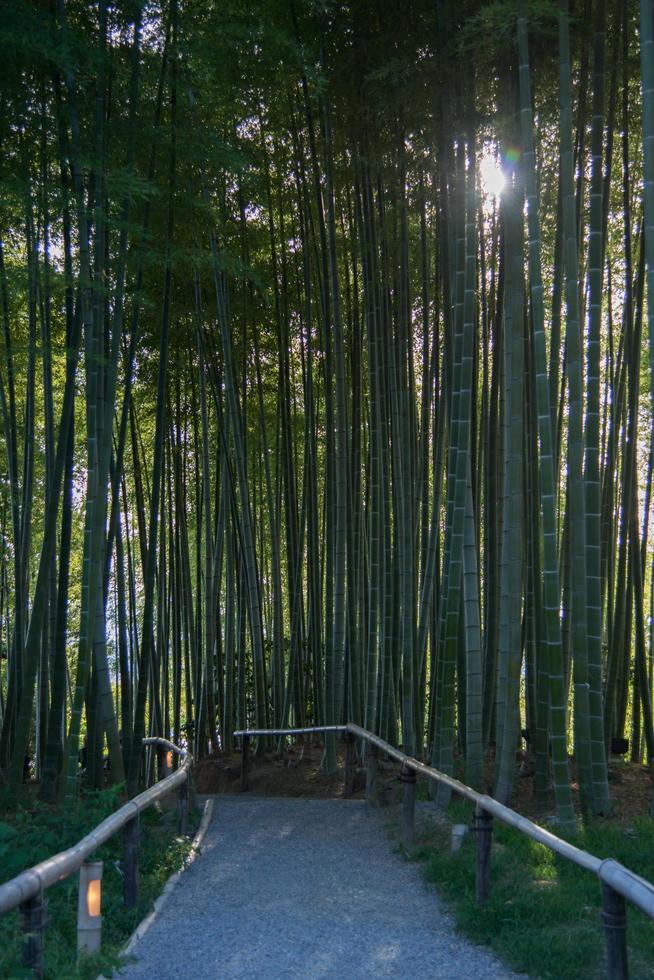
[299, 772]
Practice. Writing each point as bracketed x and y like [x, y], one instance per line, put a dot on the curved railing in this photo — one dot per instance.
[618, 883]
[26, 890]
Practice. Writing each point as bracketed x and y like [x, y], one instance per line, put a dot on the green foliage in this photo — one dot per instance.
[289, 191]
[33, 832]
[543, 915]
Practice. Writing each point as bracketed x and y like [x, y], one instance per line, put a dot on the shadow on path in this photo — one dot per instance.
[298, 888]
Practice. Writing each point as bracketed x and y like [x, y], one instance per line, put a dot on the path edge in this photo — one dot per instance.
[172, 882]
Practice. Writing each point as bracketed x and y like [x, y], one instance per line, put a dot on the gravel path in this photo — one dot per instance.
[303, 889]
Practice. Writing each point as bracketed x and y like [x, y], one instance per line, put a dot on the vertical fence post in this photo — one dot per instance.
[372, 774]
[614, 914]
[348, 788]
[131, 863]
[408, 779]
[483, 827]
[182, 799]
[245, 753]
[148, 766]
[33, 923]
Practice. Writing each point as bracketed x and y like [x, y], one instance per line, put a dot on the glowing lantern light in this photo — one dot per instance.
[94, 897]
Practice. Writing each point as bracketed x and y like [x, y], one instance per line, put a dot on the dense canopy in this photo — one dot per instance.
[326, 377]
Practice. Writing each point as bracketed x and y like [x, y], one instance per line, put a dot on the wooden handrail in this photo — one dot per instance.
[165, 744]
[289, 731]
[487, 803]
[27, 887]
[53, 869]
[618, 883]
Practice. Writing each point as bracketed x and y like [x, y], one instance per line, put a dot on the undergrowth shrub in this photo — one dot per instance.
[32, 831]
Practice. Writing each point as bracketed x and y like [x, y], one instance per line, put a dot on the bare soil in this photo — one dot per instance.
[630, 787]
[299, 772]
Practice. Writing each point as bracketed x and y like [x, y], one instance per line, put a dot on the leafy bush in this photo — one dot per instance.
[35, 831]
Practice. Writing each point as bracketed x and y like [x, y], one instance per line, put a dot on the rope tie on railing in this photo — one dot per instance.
[613, 920]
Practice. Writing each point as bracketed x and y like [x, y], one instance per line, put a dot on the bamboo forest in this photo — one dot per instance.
[326, 384]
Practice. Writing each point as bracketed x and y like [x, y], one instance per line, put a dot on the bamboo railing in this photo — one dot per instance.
[26, 890]
[619, 885]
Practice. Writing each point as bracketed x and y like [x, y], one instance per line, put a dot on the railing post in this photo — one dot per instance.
[614, 914]
[408, 778]
[372, 774]
[182, 799]
[348, 788]
[131, 863]
[483, 827]
[33, 922]
[245, 759]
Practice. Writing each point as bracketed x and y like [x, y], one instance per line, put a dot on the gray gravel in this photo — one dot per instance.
[299, 889]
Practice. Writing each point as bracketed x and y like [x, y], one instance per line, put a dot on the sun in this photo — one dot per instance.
[492, 178]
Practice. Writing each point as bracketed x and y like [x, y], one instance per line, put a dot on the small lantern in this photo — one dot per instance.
[89, 919]
[459, 830]
[169, 762]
